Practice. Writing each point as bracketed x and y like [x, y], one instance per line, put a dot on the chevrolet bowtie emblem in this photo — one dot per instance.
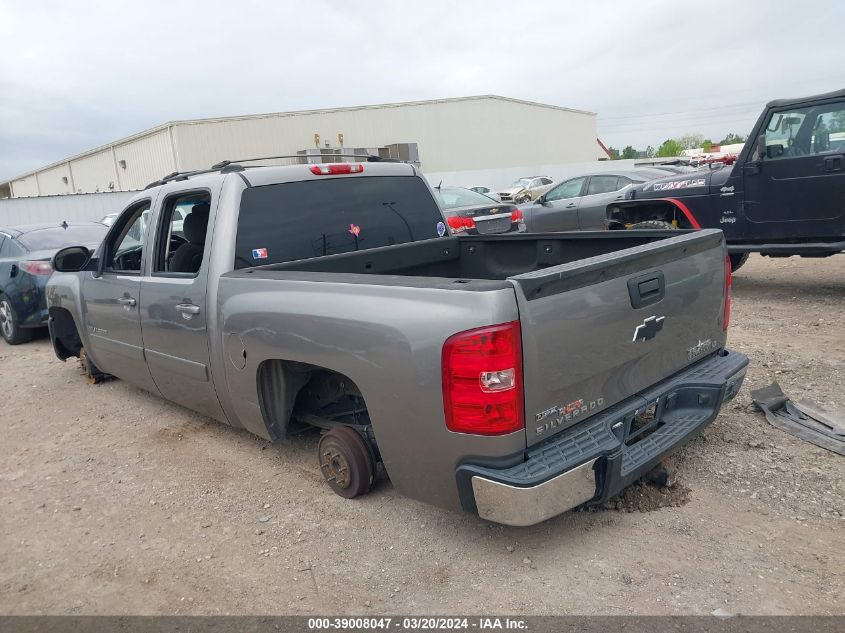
[648, 329]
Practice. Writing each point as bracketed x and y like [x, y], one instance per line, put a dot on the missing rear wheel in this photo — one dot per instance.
[346, 462]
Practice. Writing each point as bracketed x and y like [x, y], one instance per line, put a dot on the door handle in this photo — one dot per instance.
[187, 308]
[571, 205]
[13, 271]
[833, 163]
[127, 301]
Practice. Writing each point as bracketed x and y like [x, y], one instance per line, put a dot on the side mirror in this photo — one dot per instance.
[541, 199]
[71, 259]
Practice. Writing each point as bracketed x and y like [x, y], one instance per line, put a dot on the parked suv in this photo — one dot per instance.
[784, 195]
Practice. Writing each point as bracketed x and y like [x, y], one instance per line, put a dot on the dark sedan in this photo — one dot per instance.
[25, 254]
[471, 213]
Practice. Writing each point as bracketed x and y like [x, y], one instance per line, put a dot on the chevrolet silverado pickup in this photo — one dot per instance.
[513, 376]
[784, 195]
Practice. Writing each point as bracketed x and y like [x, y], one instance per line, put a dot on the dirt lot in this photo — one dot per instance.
[113, 501]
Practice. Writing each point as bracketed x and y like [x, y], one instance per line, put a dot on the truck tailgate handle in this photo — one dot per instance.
[646, 289]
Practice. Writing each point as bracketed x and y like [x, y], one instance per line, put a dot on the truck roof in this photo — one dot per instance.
[786, 102]
[290, 173]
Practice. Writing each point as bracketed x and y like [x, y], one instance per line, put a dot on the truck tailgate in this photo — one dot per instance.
[599, 330]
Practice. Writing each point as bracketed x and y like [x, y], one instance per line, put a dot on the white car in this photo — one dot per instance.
[109, 219]
[524, 189]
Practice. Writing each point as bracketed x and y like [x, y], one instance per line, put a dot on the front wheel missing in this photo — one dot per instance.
[92, 372]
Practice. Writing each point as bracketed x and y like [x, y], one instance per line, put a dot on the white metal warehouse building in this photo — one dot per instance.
[469, 133]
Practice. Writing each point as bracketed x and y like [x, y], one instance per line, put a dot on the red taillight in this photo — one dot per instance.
[517, 215]
[337, 168]
[726, 318]
[460, 224]
[37, 267]
[482, 380]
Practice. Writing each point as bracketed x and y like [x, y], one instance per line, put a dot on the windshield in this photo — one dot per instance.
[522, 182]
[55, 238]
[452, 198]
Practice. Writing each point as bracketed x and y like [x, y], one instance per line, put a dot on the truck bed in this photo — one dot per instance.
[488, 257]
[603, 315]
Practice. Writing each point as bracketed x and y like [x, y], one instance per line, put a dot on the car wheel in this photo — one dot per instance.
[346, 462]
[654, 224]
[737, 260]
[12, 333]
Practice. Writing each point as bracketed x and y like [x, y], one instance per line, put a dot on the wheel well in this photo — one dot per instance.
[663, 210]
[301, 394]
[65, 334]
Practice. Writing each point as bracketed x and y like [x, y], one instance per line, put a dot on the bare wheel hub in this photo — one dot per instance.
[335, 467]
[346, 462]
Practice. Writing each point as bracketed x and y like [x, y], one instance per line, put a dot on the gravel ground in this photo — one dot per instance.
[113, 501]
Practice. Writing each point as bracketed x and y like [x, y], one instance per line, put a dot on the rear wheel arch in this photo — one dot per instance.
[291, 389]
[670, 210]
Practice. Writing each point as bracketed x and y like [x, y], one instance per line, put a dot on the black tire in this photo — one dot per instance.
[346, 462]
[737, 260]
[11, 332]
[654, 224]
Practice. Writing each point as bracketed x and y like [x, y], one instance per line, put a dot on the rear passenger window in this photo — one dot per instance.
[11, 249]
[602, 184]
[312, 218]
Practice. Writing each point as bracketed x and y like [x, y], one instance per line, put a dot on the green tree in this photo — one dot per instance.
[629, 152]
[649, 152]
[732, 138]
[691, 141]
[706, 145]
[670, 147]
[614, 153]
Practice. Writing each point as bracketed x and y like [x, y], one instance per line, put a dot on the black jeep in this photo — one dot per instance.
[785, 195]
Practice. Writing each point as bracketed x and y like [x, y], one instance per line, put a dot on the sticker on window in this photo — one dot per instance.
[441, 229]
[259, 253]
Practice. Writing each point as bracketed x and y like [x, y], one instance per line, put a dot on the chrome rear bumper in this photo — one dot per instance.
[510, 505]
[595, 459]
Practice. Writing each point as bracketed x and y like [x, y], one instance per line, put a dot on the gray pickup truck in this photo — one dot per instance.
[514, 376]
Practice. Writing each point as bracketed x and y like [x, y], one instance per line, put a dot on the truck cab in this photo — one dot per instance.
[785, 194]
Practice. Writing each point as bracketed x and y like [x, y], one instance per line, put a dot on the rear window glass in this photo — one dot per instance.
[453, 198]
[54, 238]
[312, 218]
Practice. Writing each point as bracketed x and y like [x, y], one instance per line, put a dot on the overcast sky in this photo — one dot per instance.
[75, 75]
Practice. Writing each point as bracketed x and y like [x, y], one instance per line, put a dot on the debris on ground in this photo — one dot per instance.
[806, 420]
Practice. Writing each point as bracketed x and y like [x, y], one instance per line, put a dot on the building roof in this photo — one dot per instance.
[378, 106]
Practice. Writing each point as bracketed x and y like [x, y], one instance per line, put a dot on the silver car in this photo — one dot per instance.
[579, 203]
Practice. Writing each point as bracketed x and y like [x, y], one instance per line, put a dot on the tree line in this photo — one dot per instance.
[674, 146]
